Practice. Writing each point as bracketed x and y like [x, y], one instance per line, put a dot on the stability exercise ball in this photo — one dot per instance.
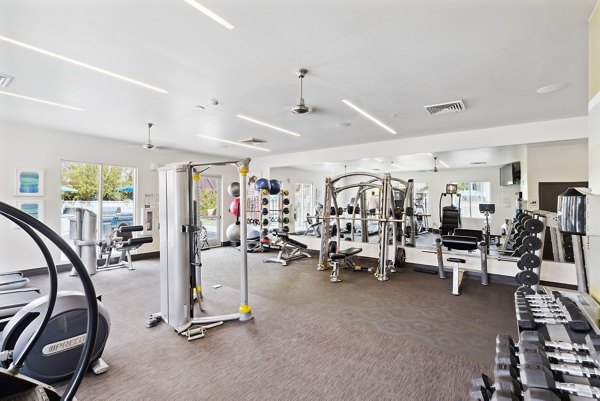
[234, 189]
[233, 232]
[275, 187]
[263, 184]
[234, 207]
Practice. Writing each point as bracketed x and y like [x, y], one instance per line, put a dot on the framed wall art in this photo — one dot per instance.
[29, 182]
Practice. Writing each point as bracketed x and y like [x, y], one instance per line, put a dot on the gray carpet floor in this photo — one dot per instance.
[405, 339]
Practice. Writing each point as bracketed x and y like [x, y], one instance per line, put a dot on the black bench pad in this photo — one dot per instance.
[350, 251]
[460, 242]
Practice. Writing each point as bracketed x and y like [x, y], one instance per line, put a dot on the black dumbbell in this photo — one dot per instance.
[533, 353]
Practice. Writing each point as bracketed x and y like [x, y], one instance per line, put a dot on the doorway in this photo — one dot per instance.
[210, 209]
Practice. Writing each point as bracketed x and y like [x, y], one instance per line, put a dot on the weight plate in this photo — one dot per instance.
[532, 243]
[265, 222]
[286, 201]
[286, 210]
[530, 261]
[522, 250]
[524, 218]
[265, 211]
[265, 201]
[523, 235]
[286, 229]
[520, 265]
[527, 277]
[400, 257]
[526, 290]
[534, 226]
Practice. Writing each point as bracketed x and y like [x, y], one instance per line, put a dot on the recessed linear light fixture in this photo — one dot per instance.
[252, 120]
[33, 99]
[209, 14]
[552, 88]
[82, 64]
[234, 143]
[444, 164]
[370, 117]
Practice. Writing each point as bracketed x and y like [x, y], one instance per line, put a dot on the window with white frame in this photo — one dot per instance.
[106, 190]
[472, 193]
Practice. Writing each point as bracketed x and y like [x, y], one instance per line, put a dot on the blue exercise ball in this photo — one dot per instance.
[263, 183]
[275, 187]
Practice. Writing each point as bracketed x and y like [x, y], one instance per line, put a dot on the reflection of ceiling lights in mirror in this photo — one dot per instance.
[33, 99]
[81, 64]
[276, 128]
[370, 117]
[233, 143]
[444, 164]
[476, 163]
[209, 14]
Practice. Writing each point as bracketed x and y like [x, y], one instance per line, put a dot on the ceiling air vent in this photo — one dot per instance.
[5, 80]
[253, 141]
[445, 108]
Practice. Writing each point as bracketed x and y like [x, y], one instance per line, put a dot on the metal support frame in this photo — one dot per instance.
[385, 183]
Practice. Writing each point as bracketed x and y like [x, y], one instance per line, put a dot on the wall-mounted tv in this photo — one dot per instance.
[510, 174]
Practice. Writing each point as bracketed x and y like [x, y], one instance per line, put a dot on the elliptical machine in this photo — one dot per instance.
[13, 383]
[56, 353]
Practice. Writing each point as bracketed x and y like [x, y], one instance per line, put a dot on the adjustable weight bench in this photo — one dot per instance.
[123, 241]
[289, 250]
[344, 256]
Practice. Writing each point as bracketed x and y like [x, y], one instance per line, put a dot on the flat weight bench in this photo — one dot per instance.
[345, 256]
[463, 243]
[290, 249]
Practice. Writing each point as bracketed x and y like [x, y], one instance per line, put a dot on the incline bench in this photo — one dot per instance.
[290, 250]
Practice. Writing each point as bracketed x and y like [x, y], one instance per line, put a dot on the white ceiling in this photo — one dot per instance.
[389, 57]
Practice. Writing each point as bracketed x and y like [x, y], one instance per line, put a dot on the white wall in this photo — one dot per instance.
[561, 161]
[30, 147]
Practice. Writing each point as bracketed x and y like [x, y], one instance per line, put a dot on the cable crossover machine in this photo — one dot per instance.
[180, 249]
[396, 220]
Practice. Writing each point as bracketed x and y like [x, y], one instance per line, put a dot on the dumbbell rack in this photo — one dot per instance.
[531, 251]
[557, 354]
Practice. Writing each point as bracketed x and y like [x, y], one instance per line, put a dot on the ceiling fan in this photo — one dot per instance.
[435, 169]
[300, 107]
[149, 145]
